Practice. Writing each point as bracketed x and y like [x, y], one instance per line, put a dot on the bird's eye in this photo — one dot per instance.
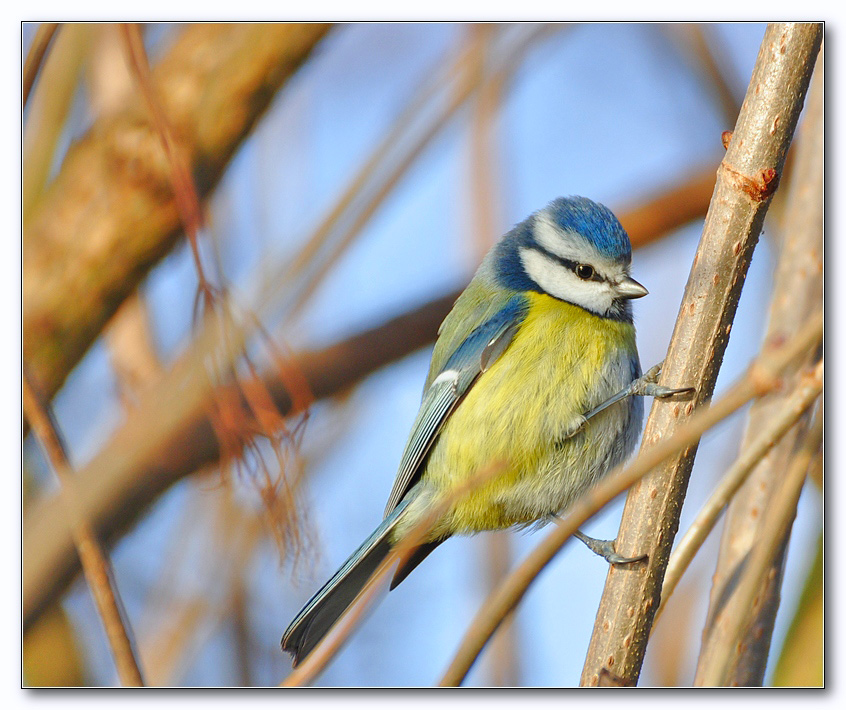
[584, 271]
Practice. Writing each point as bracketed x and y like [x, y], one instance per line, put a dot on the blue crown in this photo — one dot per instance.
[593, 221]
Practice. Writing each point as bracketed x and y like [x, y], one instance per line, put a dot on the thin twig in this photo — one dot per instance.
[387, 175]
[746, 181]
[804, 395]
[700, 42]
[94, 563]
[184, 190]
[35, 57]
[776, 527]
[761, 377]
[486, 197]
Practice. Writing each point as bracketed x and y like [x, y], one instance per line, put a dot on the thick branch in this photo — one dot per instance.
[110, 214]
[746, 181]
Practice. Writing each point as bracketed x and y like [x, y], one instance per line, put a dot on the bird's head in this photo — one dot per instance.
[575, 250]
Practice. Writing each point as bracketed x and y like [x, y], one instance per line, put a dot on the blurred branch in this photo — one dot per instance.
[425, 118]
[95, 566]
[770, 542]
[797, 294]
[801, 399]
[37, 50]
[118, 500]
[110, 214]
[184, 189]
[761, 377]
[746, 180]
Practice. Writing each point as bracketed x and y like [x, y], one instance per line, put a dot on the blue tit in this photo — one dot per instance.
[541, 337]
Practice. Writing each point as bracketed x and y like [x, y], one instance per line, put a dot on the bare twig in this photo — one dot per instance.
[486, 197]
[797, 293]
[50, 559]
[184, 190]
[761, 377]
[804, 395]
[757, 574]
[94, 562]
[37, 50]
[747, 178]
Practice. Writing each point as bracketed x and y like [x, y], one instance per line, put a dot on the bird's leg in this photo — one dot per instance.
[605, 549]
[644, 386]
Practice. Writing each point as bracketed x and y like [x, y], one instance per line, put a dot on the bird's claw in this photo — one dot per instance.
[605, 549]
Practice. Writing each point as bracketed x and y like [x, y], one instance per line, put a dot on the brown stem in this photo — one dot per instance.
[95, 566]
[757, 575]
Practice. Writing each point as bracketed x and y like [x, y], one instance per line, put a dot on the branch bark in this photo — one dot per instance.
[797, 294]
[746, 180]
[110, 214]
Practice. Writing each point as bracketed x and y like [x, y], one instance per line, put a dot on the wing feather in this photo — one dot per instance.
[482, 347]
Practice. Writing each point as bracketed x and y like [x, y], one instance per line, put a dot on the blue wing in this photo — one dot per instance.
[471, 358]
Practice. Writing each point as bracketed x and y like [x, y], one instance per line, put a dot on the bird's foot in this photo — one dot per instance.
[605, 549]
[647, 385]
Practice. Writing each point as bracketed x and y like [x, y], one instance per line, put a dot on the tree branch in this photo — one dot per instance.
[756, 577]
[94, 563]
[746, 180]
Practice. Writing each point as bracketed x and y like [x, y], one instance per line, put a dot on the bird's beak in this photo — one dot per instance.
[629, 288]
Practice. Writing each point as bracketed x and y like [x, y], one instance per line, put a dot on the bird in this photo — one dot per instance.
[530, 375]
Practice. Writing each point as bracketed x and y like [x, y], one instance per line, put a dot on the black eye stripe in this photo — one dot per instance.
[568, 263]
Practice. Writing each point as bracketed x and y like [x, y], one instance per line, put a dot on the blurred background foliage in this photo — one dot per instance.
[348, 180]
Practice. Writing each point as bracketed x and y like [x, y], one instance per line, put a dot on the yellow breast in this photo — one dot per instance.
[562, 362]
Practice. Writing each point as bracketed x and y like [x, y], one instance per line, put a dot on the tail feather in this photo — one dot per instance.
[326, 606]
[413, 558]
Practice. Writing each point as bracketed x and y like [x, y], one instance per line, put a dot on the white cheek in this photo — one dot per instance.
[560, 282]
